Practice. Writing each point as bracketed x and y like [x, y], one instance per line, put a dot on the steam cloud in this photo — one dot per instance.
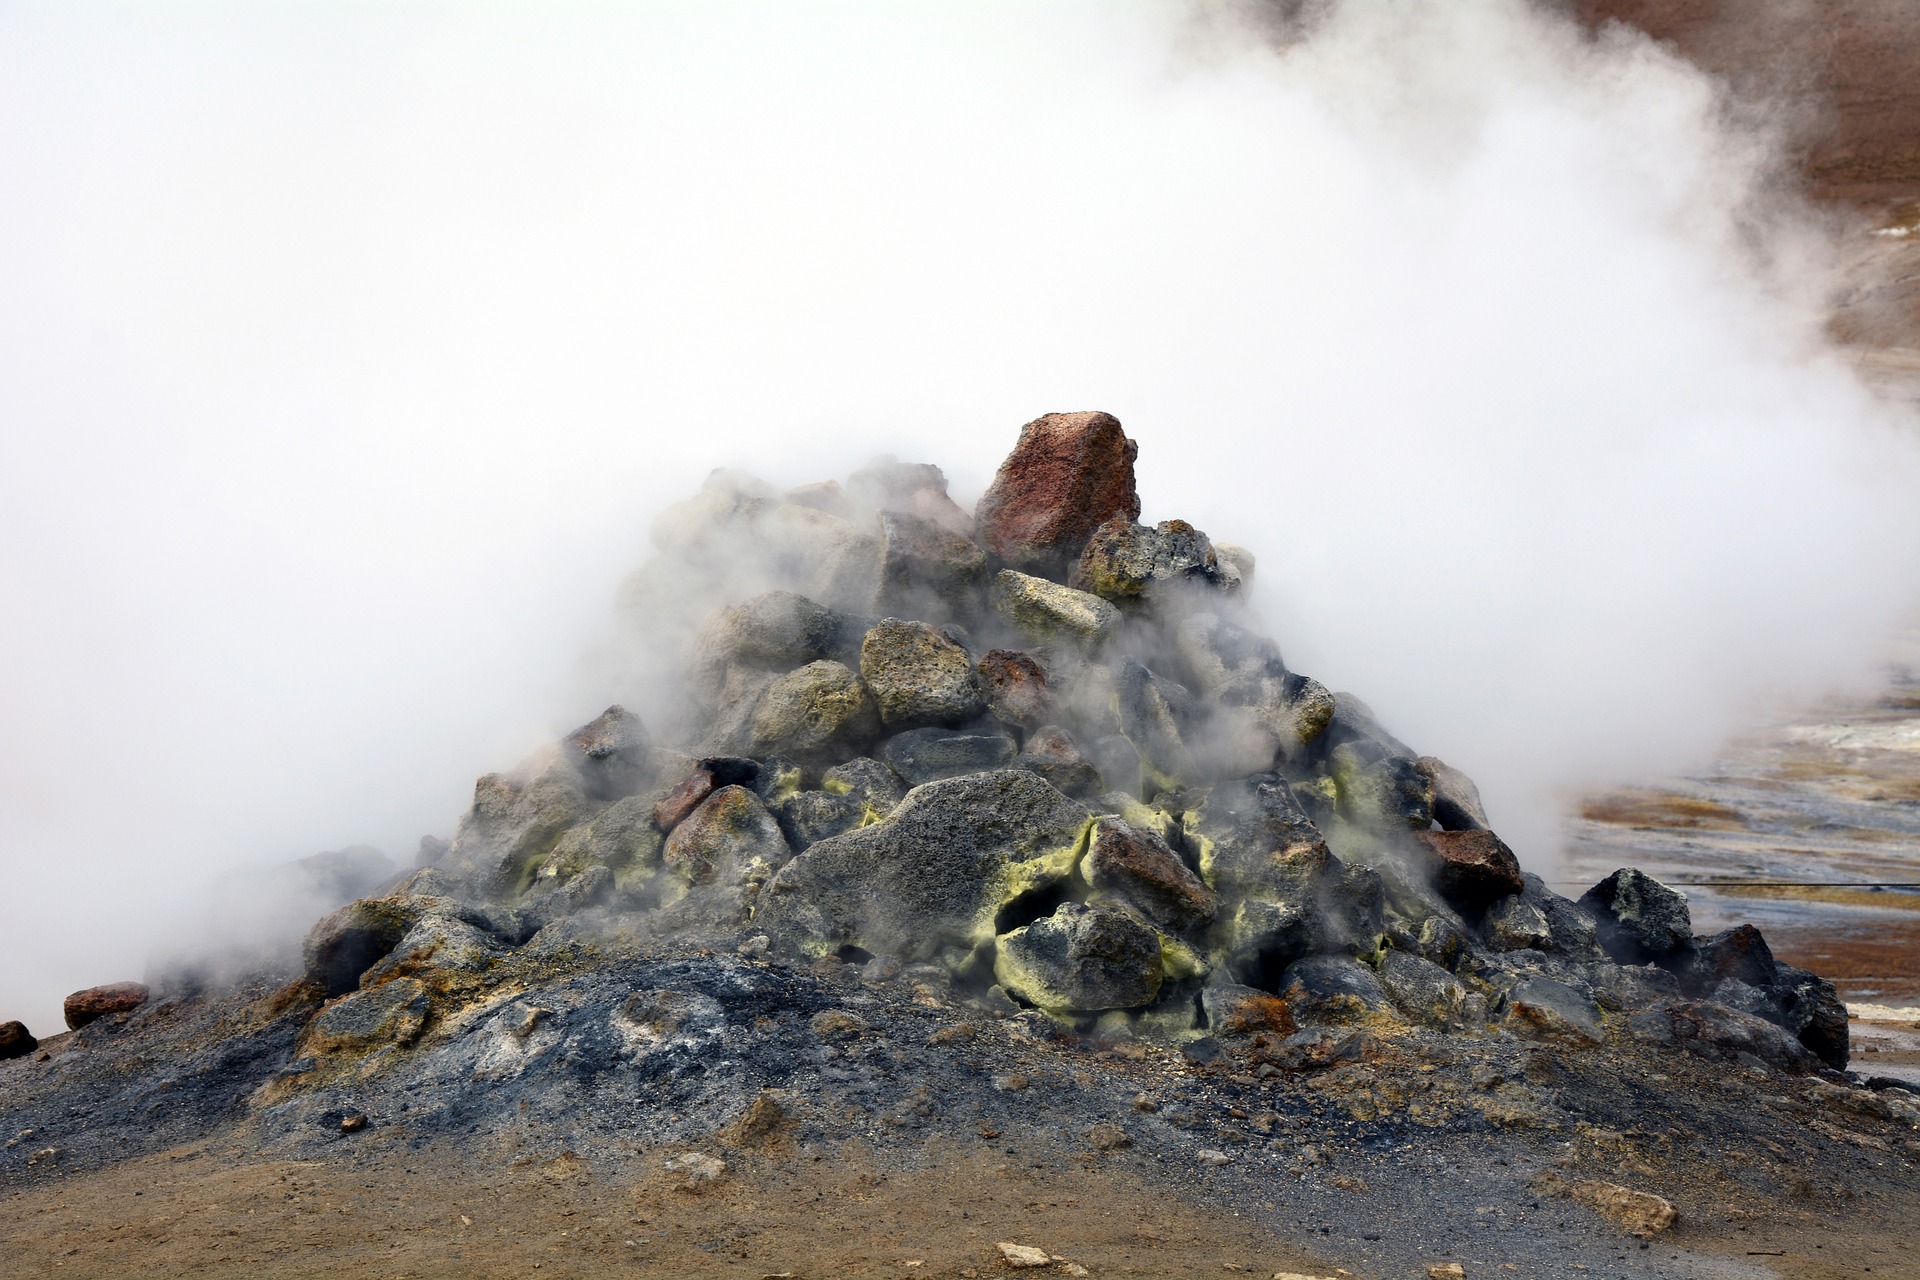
[349, 351]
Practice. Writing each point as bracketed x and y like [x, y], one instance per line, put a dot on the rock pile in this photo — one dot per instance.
[1046, 751]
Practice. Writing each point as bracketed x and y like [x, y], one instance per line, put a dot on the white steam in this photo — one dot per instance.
[348, 351]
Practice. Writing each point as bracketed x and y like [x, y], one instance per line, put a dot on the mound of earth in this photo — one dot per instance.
[992, 855]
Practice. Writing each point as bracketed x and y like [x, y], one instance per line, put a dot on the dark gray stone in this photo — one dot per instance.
[1555, 1010]
[1051, 753]
[1639, 919]
[1331, 989]
[927, 755]
[1422, 990]
[808, 817]
[868, 781]
[1456, 801]
[1081, 958]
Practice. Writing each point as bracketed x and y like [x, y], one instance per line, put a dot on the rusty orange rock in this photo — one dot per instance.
[1069, 474]
[95, 1003]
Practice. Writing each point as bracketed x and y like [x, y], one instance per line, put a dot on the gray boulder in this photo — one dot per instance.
[934, 875]
[1080, 959]
[1051, 753]
[819, 714]
[1456, 801]
[611, 754]
[1554, 1010]
[1378, 789]
[1422, 990]
[1324, 989]
[1716, 1031]
[808, 817]
[874, 785]
[918, 675]
[1135, 865]
[1151, 710]
[927, 755]
[1127, 562]
[1254, 839]
[512, 825]
[928, 570]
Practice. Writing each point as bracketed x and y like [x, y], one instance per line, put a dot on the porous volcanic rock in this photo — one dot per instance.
[1068, 474]
[918, 675]
[934, 874]
[1135, 865]
[1014, 686]
[94, 1003]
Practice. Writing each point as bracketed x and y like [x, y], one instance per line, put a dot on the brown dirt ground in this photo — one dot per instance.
[191, 1213]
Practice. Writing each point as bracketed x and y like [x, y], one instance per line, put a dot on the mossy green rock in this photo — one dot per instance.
[1082, 958]
[820, 714]
[934, 875]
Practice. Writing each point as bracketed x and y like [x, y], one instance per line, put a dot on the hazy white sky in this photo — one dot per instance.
[346, 352]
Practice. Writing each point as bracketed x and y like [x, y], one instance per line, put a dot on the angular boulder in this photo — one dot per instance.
[1127, 562]
[727, 834]
[513, 824]
[1640, 920]
[1068, 474]
[1422, 990]
[393, 1013]
[1150, 711]
[819, 714]
[1378, 789]
[1015, 689]
[918, 676]
[934, 874]
[95, 1003]
[1081, 958]
[775, 631]
[1235, 1012]
[927, 570]
[915, 488]
[927, 755]
[1327, 989]
[611, 754]
[1051, 753]
[1135, 865]
[1254, 840]
[1456, 801]
[1045, 612]
[1470, 869]
[1714, 1030]
[874, 785]
[1555, 1010]
[808, 817]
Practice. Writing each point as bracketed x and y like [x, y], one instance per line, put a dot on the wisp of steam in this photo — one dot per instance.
[349, 351]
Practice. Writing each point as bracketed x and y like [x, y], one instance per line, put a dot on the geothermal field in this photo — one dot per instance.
[907, 842]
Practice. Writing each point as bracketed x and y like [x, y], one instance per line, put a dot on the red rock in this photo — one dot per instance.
[97, 1002]
[1471, 868]
[16, 1041]
[1015, 688]
[673, 807]
[1068, 475]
